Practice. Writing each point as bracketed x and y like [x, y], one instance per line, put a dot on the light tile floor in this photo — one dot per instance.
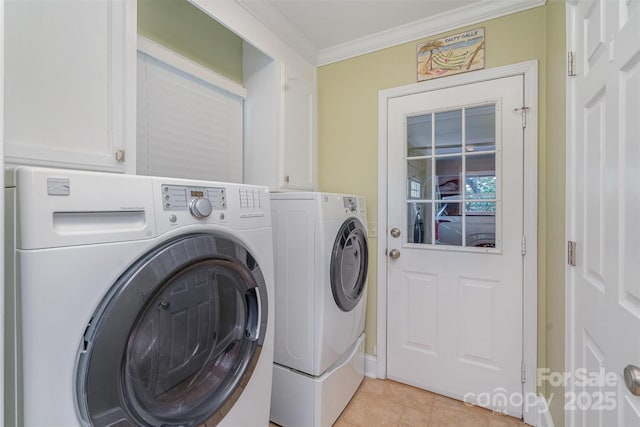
[389, 403]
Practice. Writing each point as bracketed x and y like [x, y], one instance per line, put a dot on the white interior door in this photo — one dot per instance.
[455, 266]
[603, 213]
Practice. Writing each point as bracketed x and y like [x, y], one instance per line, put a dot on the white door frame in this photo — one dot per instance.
[2, 258]
[530, 277]
[569, 276]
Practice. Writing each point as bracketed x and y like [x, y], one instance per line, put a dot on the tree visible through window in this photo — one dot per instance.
[481, 188]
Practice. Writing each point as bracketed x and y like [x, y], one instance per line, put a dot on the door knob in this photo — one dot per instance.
[394, 254]
[395, 232]
[632, 379]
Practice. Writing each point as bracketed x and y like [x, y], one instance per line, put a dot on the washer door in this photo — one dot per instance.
[177, 338]
[349, 261]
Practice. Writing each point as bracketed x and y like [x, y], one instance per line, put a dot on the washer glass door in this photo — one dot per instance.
[177, 338]
[349, 262]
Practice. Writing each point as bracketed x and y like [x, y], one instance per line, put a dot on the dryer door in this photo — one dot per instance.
[177, 338]
[349, 262]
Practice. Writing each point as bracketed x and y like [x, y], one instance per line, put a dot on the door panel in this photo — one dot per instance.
[602, 216]
[456, 193]
[421, 292]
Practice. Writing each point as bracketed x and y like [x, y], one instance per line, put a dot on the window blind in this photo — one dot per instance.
[186, 127]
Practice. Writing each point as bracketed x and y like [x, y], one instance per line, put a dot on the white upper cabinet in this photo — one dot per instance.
[70, 84]
[297, 131]
[279, 135]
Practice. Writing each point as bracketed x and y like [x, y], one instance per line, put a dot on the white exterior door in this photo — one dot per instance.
[455, 266]
[603, 188]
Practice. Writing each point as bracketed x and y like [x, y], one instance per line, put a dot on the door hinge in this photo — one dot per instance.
[523, 110]
[524, 244]
[523, 373]
[571, 64]
[571, 253]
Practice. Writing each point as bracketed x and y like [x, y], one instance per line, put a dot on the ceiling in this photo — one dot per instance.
[330, 30]
[329, 23]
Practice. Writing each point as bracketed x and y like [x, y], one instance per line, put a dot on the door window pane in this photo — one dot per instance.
[480, 224]
[480, 128]
[483, 163]
[448, 224]
[419, 135]
[448, 173]
[481, 187]
[480, 180]
[419, 179]
[448, 134]
[419, 222]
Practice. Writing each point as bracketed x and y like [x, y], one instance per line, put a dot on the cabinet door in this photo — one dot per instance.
[298, 164]
[70, 83]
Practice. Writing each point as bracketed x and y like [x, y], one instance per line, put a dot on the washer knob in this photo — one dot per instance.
[200, 207]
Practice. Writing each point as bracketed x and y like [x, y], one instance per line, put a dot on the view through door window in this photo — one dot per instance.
[452, 187]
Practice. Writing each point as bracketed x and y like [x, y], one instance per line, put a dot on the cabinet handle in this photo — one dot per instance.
[286, 179]
[119, 155]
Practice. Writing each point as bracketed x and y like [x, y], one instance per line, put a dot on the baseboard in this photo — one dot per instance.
[370, 366]
[544, 416]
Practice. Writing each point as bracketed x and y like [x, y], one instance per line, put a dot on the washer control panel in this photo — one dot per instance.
[200, 201]
[351, 203]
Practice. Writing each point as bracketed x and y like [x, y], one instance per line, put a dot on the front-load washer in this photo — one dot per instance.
[321, 259]
[138, 301]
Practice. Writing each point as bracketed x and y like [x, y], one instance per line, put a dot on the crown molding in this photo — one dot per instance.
[468, 15]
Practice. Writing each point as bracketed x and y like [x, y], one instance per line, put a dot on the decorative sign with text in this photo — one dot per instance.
[450, 55]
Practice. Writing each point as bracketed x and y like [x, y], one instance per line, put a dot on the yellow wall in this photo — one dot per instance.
[183, 28]
[348, 147]
[555, 244]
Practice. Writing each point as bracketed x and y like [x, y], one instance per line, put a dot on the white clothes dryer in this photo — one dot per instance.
[137, 301]
[321, 259]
